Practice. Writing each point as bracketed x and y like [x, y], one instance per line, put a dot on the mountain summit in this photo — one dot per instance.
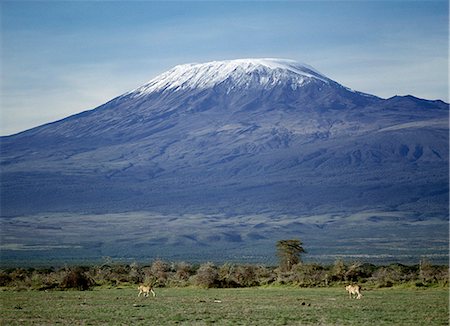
[243, 73]
[269, 86]
[248, 137]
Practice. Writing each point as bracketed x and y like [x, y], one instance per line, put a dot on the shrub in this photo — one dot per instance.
[265, 275]
[180, 275]
[206, 276]
[353, 272]
[159, 273]
[386, 276]
[231, 275]
[5, 279]
[135, 274]
[338, 271]
[245, 275]
[227, 276]
[76, 279]
[307, 275]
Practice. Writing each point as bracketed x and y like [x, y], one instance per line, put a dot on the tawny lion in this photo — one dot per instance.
[145, 290]
[354, 289]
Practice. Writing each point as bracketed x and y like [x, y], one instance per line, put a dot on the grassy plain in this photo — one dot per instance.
[249, 306]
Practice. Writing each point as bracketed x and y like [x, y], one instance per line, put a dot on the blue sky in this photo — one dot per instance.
[60, 58]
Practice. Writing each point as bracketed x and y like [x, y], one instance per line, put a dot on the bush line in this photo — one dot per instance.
[229, 275]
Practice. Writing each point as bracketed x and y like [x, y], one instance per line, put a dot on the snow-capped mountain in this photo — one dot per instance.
[244, 73]
[250, 136]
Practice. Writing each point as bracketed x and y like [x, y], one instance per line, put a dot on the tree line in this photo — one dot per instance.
[290, 271]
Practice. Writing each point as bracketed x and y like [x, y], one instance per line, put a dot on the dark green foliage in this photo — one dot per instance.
[288, 252]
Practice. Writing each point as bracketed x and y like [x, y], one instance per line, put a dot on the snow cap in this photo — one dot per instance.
[206, 75]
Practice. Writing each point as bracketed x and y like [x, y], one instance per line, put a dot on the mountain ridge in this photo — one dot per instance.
[238, 149]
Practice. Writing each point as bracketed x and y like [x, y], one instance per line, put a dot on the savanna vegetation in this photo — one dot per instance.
[209, 275]
[290, 271]
[292, 293]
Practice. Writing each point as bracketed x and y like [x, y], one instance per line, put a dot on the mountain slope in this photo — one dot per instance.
[238, 137]
[207, 124]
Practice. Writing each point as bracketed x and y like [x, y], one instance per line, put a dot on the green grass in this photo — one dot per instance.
[251, 306]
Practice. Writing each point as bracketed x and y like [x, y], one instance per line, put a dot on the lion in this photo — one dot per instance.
[145, 290]
[354, 289]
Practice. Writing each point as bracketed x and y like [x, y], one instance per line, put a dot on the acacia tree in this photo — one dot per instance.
[288, 252]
